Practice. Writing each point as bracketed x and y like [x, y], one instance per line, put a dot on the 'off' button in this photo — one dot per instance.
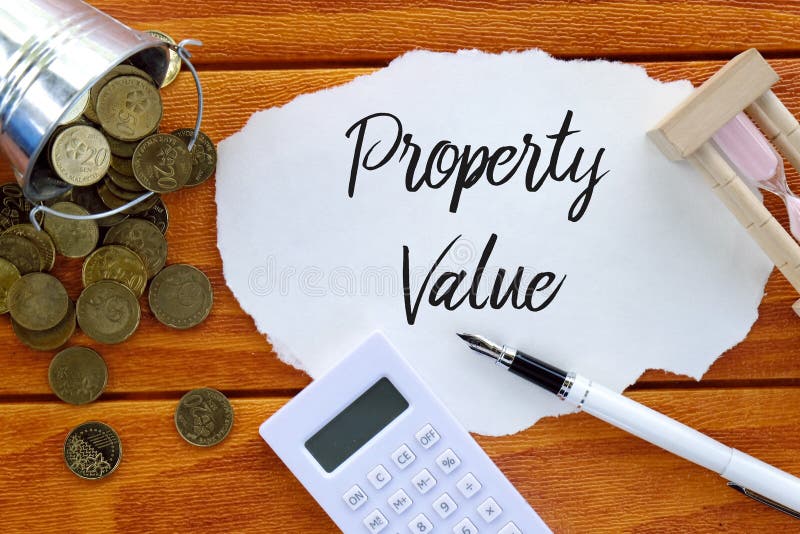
[427, 436]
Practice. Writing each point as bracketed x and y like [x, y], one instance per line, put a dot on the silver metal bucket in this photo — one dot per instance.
[51, 53]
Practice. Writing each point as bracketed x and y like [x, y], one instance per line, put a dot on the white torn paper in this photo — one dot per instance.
[393, 201]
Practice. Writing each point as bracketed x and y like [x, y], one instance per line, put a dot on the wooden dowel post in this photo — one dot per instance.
[778, 124]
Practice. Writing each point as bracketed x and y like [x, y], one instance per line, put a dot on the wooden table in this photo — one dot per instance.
[580, 474]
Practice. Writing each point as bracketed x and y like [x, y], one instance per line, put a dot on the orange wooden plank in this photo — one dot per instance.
[228, 353]
[580, 474]
[373, 32]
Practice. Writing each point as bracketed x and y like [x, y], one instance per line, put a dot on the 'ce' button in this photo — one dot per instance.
[403, 457]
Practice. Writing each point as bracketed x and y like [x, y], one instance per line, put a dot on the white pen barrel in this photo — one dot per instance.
[764, 479]
[686, 442]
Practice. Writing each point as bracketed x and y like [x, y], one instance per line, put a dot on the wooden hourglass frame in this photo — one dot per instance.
[743, 84]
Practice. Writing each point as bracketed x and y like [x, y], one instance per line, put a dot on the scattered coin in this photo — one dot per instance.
[75, 111]
[38, 301]
[77, 375]
[129, 107]
[49, 339]
[80, 155]
[73, 239]
[114, 262]
[89, 199]
[180, 296]
[157, 215]
[204, 155]
[14, 207]
[174, 60]
[142, 237]
[21, 252]
[92, 450]
[204, 417]
[42, 241]
[162, 163]
[8, 275]
[108, 312]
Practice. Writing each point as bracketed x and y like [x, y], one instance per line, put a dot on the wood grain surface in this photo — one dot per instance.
[580, 474]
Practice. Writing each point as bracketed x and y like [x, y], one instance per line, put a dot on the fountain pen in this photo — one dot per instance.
[746, 474]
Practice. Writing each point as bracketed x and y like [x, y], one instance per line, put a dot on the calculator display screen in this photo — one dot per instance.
[357, 424]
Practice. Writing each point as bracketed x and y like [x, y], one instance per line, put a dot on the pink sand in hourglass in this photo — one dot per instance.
[745, 146]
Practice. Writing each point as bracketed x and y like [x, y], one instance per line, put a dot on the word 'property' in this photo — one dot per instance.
[468, 164]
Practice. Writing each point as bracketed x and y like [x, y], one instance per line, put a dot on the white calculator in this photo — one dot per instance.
[381, 453]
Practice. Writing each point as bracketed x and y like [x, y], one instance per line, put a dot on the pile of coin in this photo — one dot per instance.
[111, 152]
[109, 149]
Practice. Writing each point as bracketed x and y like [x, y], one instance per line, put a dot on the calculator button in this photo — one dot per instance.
[444, 506]
[403, 457]
[376, 521]
[399, 501]
[489, 510]
[379, 477]
[468, 486]
[420, 524]
[355, 497]
[465, 526]
[423, 481]
[448, 461]
[427, 436]
[510, 528]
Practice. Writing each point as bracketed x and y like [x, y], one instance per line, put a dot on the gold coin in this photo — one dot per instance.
[180, 296]
[21, 252]
[121, 165]
[73, 239]
[114, 262]
[204, 155]
[89, 199]
[8, 275]
[77, 375]
[157, 215]
[42, 241]
[162, 163]
[92, 450]
[74, 112]
[129, 108]
[123, 149]
[108, 312]
[14, 207]
[119, 192]
[49, 339]
[119, 70]
[38, 301]
[144, 238]
[125, 182]
[174, 60]
[204, 417]
[80, 155]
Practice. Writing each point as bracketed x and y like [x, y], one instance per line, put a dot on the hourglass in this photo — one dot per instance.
[712, 129]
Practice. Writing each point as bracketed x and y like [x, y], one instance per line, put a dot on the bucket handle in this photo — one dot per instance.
[185, 56]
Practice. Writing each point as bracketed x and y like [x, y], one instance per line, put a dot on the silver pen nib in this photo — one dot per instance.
[483, 345]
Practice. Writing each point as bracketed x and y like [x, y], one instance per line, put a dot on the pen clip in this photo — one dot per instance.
[764, 500]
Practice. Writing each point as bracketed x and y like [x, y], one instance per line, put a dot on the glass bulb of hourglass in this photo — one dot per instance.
[757, 162]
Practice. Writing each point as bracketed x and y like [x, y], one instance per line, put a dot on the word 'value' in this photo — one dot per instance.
[451, 289]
